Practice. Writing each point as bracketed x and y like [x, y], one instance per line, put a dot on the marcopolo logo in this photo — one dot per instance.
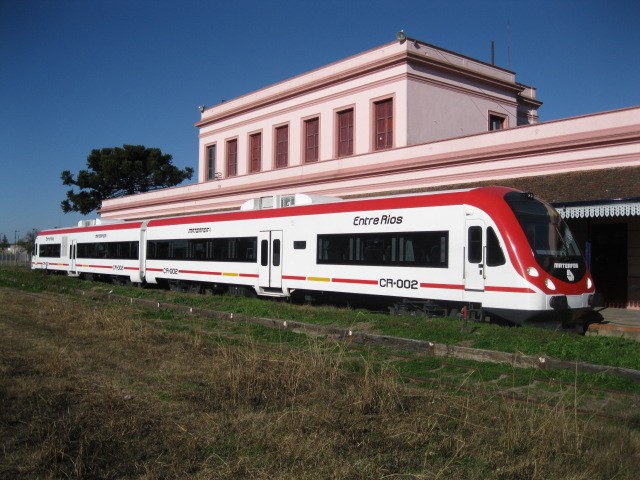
[565, 265]
[199, 230]
[570, 276]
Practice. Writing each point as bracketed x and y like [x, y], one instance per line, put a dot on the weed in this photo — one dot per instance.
[107, 390]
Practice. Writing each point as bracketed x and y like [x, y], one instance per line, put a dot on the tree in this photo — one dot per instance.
[28, 242]
[4, 242]
[115, 172]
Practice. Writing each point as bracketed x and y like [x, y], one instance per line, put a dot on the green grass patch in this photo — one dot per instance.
[279, 336]
[532, 341]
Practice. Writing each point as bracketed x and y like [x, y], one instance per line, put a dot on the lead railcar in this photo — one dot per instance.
[492, 250]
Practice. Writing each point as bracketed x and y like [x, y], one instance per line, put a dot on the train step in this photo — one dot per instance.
[271, 292]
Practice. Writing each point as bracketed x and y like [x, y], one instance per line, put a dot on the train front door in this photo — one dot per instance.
[270, 259]
[474, 261]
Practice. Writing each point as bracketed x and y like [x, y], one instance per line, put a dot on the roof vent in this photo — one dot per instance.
[283, 201]
[99, 221]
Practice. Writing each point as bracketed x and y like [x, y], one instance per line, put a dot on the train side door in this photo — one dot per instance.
[142, 252]
[73, 253]
[270, 259]
[474, 262]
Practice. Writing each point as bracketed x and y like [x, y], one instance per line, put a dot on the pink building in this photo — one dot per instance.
[411, 116]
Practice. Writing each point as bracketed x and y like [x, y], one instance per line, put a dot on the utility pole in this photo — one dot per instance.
[15, 245]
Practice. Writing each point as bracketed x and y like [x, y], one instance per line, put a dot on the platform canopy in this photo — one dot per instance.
[622, 208]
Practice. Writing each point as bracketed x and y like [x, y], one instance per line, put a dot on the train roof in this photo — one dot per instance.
[93, 226]
[324, 206]
[441, 198]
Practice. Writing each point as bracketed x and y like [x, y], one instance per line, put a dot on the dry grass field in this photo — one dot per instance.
[98, 390]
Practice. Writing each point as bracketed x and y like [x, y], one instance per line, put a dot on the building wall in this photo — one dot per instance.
[439, 110]
[437, 95]
[357, 94]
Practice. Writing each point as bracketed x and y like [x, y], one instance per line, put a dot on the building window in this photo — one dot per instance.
[255, 152]
[311, 139]
[345, 133]
[211, 162]
[497, 122]
[232, 158]
[383, 118]
[282, 146]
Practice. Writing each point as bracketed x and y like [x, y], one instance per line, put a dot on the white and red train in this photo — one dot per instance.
[493, 250]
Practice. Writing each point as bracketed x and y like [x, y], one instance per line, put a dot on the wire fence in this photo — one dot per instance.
[18, 258]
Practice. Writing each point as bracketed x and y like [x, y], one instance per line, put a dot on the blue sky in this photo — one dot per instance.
[77, 75]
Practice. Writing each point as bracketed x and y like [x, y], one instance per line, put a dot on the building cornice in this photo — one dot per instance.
[570, 145]
[292, 108]
[312, 86]
[410, 53]
[416, 59]
[481, 93]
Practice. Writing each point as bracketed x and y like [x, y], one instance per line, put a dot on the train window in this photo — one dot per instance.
[196, 249]
[475, 245]
[264, 253]
[335, 249]
[407, 249]
[112, 250]
[299, 244]
[161, 250]
[179, 249]
[83, 250]
[551, 240]
[101, 250]
[374, 250]
[51, 251]
[495, 255]
[232, 249]
[242, 249]
[276, 252]
[247, 249]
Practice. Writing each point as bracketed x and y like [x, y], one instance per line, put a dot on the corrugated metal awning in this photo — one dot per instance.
[623, 208]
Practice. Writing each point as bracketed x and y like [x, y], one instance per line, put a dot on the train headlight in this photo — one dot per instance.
[532, 272]
[550, 285]
[589, 283]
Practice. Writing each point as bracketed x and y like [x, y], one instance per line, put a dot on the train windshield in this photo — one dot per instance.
[553, 244]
